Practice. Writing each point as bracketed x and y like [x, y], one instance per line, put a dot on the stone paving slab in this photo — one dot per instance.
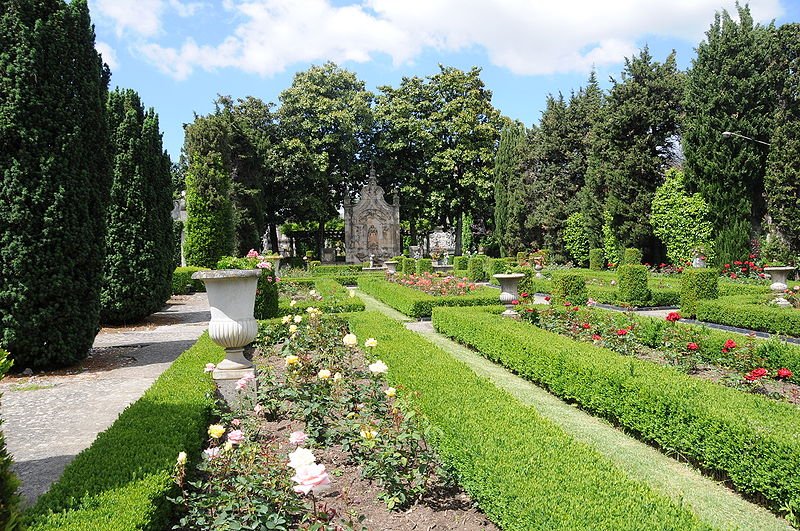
[49, 418]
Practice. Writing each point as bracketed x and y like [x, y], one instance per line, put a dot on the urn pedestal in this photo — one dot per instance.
[509, 284]
[232, 297]
[391, 266]
[780, 279]
[443, 268]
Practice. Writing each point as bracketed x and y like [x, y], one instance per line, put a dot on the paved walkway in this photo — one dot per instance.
[49, 418]
[710, 500]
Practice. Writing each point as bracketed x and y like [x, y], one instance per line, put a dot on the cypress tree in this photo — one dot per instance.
[507, 178]
[55, 181]
[139, 246]
[728, 89]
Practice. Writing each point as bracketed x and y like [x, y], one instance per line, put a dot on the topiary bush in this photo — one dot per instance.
[409, 266]
[596, 260]
[632, 287]
[460, 262]
[54, 182]
[139, 243]
[569, 287]
[612, 248]
[266, 306]
[698, 284]
[632, 256]
[476, 268]
[9, 501]
[496, 266]
[424, 265]
[576, 238]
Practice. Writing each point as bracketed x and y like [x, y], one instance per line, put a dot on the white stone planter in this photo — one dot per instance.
[780, 278]
[391, 266]
[443, 268]
[509, 284]
[232, 298]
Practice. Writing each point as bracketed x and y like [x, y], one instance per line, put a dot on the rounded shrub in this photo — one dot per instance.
[209, 211]
[633, 288]
[183, 283]
[576, 238]
[698, 284]
[409, 266]
[632, 256]
[460, 262]
[476, 269]
[496, 266]
[424, 265]
[569, 287]
[597, 259]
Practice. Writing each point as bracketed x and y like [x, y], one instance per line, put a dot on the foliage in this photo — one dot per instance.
[681, 221]
[732, 243]
[751, 313]
[418, 304]
[139, 242]
[465, 408]
[569, 288]
[576, 239]
[435, 285]
[612, 248]
[182, 282]
[266, 303]
[460, 262]
[330, 296]
[708, 423]
[55, 182]
[409, 266]
[177, 231]
[596, 259]
[696, 285]
[633, 287]
[476, 269]
[9, 500]
[209, 211]
[507, 180]
[495, 266]
[631, 256]
[727, 89]
[424, 265]
[122, 480]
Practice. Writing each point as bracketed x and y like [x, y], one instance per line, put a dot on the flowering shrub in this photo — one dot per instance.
[743, 269]
[435, 285]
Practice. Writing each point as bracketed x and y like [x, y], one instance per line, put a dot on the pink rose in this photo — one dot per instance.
[236, 437]
[297, 438]
[236, 422]
[252, 253]
[209, 367]
[311, 478]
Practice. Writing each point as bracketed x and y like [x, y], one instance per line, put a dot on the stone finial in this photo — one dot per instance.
[372, 180]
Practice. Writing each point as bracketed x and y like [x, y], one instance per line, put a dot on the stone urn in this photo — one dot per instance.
[232, 297]
[443, 268]
[780, 278]
[391, 266]
[509, 283]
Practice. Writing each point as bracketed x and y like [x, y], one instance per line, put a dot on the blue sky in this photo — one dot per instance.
[179, 54]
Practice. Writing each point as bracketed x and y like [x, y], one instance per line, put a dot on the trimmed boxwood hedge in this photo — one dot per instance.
[569, 287]
[335, 297]
[122, 480]
[698, 284]
[753, 313]
[418, 304]
[409, 266]
[460, 262]
[633, 287]
[752, 440]
[632, 256]
[476, 269]
[522, 470]
[182, 282]
[424, 265]
[334, 270]
[597, 260]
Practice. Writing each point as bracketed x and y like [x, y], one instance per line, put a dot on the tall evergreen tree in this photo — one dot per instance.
[635, 144]
[55, 181]
[507, 178]
[139, 246]
[782, 179]
[728, 89]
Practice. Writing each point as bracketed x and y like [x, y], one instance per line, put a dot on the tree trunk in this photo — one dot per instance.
[413, 232]
[273, 237]
[459, 230]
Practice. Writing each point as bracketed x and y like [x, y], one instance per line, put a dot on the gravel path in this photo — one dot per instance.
[50, 417]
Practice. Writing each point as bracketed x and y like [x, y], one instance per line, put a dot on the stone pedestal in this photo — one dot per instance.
[232, 297]
[443, 268]
[509, 284]
[391, 266]
[780, 278]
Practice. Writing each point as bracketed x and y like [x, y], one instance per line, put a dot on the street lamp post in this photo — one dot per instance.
[728, 134]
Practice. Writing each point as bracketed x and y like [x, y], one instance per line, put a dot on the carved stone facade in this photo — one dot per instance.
[372, 226]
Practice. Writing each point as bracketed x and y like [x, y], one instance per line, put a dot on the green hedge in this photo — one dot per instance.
[569, 287]
[522, 470]
[460, 262]
[334, 270]
[597, 259]
[698, 284]
[122, 480]
[496, 266]
[476, 269]
[745, 311]
[632, 256]
[633, 287]
[335, 298]
[753, 440]
[424, 265]
[409, 266]
[418, 304]
[182, 282]
[461, 273]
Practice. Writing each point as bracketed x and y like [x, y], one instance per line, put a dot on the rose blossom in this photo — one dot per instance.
[784, 373]
[252, 253]
[350, 340]
[311, 478]
[236, 437]
[673, 316]
[692, 346]
[209, 367]
[211, 453]
[597, 337]
[622, 332]
[378, 367]
[547, 298]
[301, 457]
[371, 342]
[297, 438]
[755, 374]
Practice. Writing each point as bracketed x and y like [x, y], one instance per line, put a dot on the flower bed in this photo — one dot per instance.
[438, 286]
[122, 480]
[299, 294]
[418, 304]
[524, 471]
[750, 440]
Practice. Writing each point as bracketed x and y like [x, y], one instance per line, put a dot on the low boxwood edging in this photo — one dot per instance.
[746, 312]
[522, 470]
[122, 480]
[418, 304]
[752, 440]
[335, 297]
[182, 282]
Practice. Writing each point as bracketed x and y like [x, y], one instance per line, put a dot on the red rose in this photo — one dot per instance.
[738, 262]
[567, 303]
[755, 374]
[524, 294]
[528, 310]
[692, 346]
[733, 276]
[596, 337]
[622, 332]
[730, 343]
[784, 373]
[515, 302]
[586, 326]
[575, 308]
[547, 298]
[673, 316]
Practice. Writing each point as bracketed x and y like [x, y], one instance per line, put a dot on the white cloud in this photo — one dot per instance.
[142, 18]
[108, 53]
[524, 36]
